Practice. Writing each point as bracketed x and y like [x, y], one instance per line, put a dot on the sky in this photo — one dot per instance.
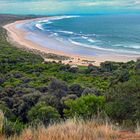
[57, 7]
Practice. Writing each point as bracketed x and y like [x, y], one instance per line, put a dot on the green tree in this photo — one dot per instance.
[7, 112]
[43, 113]
[86, 106]
[107, 66]
[123, 100]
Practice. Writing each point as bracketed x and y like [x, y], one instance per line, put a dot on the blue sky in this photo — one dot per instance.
[55, 7]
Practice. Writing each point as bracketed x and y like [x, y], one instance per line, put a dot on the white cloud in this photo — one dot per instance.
[67, 6]
[110, 3]
[137, 1]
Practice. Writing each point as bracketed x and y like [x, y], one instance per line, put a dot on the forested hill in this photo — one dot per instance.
[33, 92]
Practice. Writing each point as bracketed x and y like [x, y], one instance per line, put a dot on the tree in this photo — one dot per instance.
[94, 91]
[85, 106]
[43, 113]
[7, 112]
[92, 68]
[119, 110]
[76, 89]
[107, 66]
[123, 100]
[123, 76]
[137, 65]
[57, 85]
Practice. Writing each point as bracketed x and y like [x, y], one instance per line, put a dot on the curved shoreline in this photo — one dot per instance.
[18, 36]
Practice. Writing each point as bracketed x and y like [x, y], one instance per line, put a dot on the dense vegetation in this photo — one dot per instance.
[33, 92]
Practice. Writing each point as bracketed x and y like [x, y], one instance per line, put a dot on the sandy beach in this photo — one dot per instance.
[17, 36]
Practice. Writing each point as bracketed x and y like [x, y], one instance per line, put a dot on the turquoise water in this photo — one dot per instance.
[84, 34]
[57, 7]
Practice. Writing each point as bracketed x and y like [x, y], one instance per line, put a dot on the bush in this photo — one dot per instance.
[76, 89]
[123, 101]
[43, 113]
[11, 128]
[86, 106]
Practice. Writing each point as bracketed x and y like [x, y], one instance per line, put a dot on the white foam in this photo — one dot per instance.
[45, 21]
[117, 45]
[127, 46]
[61, 17]
[67, 32]
[103, 49]
[39, 26]
[48, 21]
[91, 40]
[88, 46]
[54, 34]
[56, 18]
[85, 37]
[133, 47]
[41, 21]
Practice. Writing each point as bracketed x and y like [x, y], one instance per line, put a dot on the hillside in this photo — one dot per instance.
[33, 92]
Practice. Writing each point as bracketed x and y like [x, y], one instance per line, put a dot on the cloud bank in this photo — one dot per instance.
[69, 6]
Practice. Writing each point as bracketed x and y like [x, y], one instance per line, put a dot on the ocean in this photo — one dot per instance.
[88, 35]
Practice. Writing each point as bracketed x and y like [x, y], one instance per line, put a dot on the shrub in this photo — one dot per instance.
[43, 113]
[11, 128]
[86, 106]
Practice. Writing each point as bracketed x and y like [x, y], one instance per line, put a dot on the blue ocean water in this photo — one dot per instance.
[119, 33]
